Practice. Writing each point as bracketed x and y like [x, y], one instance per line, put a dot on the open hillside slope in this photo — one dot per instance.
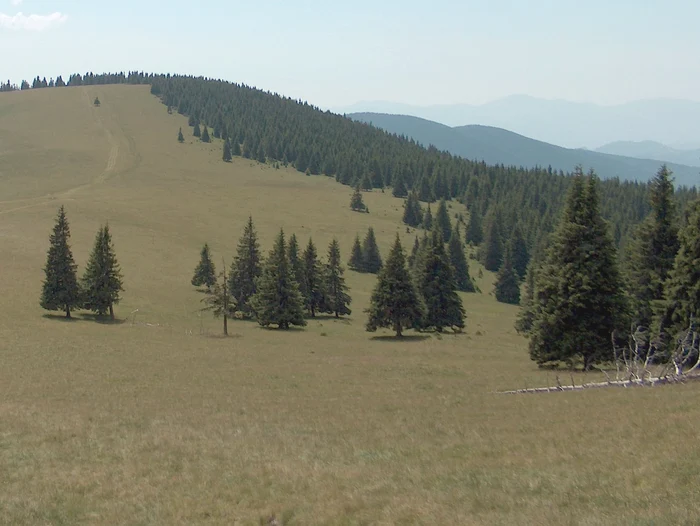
[499, 146]
[159, 420]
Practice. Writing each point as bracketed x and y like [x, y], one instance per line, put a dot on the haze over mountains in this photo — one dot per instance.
[652, 150]
[498, 146]
[563, 123]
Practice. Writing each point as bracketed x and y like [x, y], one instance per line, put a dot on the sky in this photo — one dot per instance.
[337, 53]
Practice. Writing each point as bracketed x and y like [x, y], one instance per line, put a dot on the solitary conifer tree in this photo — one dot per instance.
[97, 102]
[205, 272]
[371, 259]
[60, 289]
[412, 212]
[102, 281]
[337, 297]
[278, 300]
[438, 288]
[313, 288]
[399, 186]
[197, 132]
[442, 220]
[227, 152]
[356, 202]
[219, 299]
[180, 137]
[246, 269]
[507, 286]
[458, 259]
[355, 262]
[205, 134]
[395, 303]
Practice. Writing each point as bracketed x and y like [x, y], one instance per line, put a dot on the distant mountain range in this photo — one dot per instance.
[496, 146]
[652, 150]
[564, 123]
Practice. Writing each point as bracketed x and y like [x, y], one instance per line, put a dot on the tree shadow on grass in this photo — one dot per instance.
[102, 320]
[273, 328]
[403, 339]
[61, 317]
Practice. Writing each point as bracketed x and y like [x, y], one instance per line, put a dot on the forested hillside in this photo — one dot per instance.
[270, 127]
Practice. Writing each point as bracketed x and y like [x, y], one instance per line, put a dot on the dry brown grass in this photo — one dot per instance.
[159, 424]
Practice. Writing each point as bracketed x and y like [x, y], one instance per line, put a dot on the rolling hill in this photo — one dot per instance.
[498, 146]
[652, 150]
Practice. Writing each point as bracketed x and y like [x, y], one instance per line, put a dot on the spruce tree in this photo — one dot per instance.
[442, 220]
[227, 152]
[653, 250]
[278, 300]
[475, 233]
[519, 253]
[507, 285]
[578, 290]
[399, 187]
[204, 272]
[219, 299]
[356, 261]
[414, 254]
[205, 134]
[296, 264]
[438, 287]
[60, 289]
[412, 212]
[427, 223]
[371, 259]
[180, 137]
[97, 102]
[395, 303]
[356, 202]
[493, 243]
[523, 323]
[337, 297]
[236, 148]
[458, 259]
[102, 281]
[314, 286]
[246, 269]
[197, 132]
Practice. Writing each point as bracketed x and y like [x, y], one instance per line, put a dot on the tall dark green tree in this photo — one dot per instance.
[458, 259]
[205, 271]
[519, 252]
[414, 254]
[227, 152]
[180, 137]
[314, 290]
[493, 243]
[438, 287]
[507, 285]
[205, 134]
[102, 281]
[395, 303]
[579, 300]
[60, 289]
[427, 222]
[653, 250]
[236, 148]
[219, 299]
[356, 261]
[296, 263]
[399, 186]
[371, 259]
[442, 220]
[525, 319]
[337, 297]
[197, 132]
[412, 212]
[356, 202]
[246, 269]
[475, 232]
[278, 300]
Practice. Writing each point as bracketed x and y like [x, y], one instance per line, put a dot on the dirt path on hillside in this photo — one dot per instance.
[122, 150]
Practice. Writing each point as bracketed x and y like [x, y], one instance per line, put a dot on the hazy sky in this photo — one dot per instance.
[336, 53]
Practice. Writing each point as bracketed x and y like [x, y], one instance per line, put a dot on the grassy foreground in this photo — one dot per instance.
[159, 420]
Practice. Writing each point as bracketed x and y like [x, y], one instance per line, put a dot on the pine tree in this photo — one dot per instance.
[395, 303]
[102, 281]
[653, 250]
[442, 220]
[205, 134]
[414, 254]
[227, 152]
[525, 319]
[313, 289]
[236, 149]
[60, 289]
[197, 132]
[337, 297]
[205, 272]
[278, 300]
[219, 299]
[493, 243]
[458, 259]
[507, 285]
[475, 232]
[180, 137]
[681, 304]
[399, 187]
[356, 261]
[356, 202]
[296, 263]
[427, 223]
[97, 102]
[246, 269]
[412, 212]
[438, 287]
[371, 259]
[519, 253]
[578, 290]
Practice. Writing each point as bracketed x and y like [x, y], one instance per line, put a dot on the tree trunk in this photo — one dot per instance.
[225, 325]
[68, 312]
[336, 314]
[111, 312]
[313, 311]
[397, 328]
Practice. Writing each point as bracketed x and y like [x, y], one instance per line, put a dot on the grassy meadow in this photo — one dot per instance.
[160, 420]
